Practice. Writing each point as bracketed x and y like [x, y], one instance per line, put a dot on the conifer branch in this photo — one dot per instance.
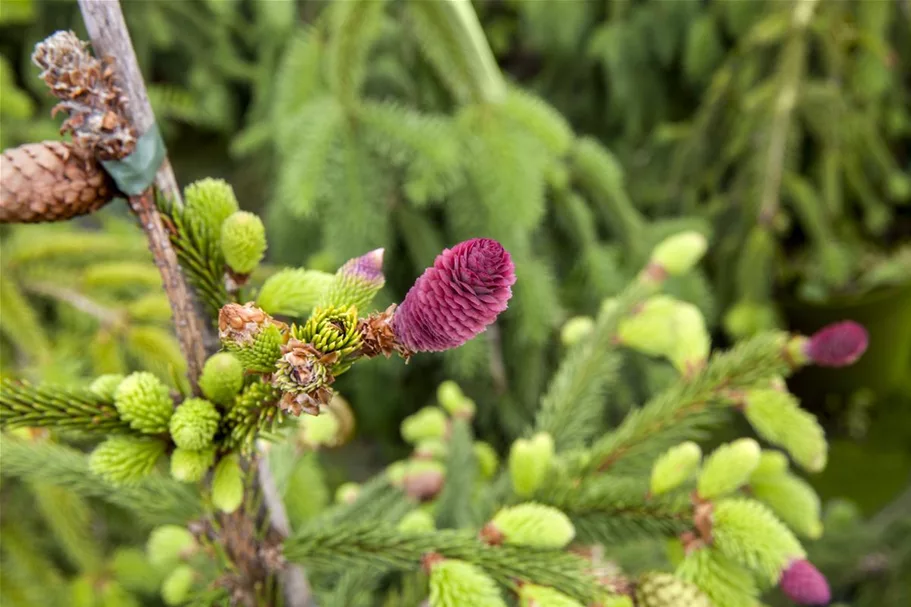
[682, 411]
[23, 405]
[382, 545]
[155, 500]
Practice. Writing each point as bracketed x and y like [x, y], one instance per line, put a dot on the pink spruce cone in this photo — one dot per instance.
[457, 298]
[804, 584]
[837, 345]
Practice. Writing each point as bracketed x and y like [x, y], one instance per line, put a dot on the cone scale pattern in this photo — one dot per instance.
[51, 181]
[457, 298]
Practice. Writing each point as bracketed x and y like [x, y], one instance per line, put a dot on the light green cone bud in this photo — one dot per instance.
[144, 402]
[432, 448]
[772, 464]
[531, 524]
[657, 589]
[675, 467]
[332, 330]
[793, 500]
[194, 424]
[293, 291]
[177, 586]
[451, 398]
[208, 202]
[243, 241]
[228, 484]
[748, 533]
[678, 254]
[651, 329]
[105, 386]
[189, 466]
[347, 493]
[576, 329]
[692, 342]
[168, 545]
[721, 579]
[134, 571]
[488, 461]
[417, 521]
[429, 422]
[777, 417]
[458, 584]
[728, 468]
[532, 595]
[222, 378]
[356, 283]
[125, 460]
[319, 430]
[529, 462]
[265, 351]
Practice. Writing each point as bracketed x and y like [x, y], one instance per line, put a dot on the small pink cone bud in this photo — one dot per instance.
[804, 584]
[457, 298]
[837, 345]
[368, 267]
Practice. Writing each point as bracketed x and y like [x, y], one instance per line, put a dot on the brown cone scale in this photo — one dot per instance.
[51, 181]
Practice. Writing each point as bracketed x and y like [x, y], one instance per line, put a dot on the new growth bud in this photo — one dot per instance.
[168, 545]
[456, 583]
[144, 401]
[675, 467]
[105, 386]
[576, 329]
[356, 283]
[451, 398]
[529, 524]
[777, 417]
[677, 254]
[529, 462]
[227, 484]
[125, 460]
[417, 521]
[429, 422]
[243, 241]
[194, 424]
[177, 586]
[488, 461]
[457, 298]
[189, 466]
[728, 468]
[222, 378]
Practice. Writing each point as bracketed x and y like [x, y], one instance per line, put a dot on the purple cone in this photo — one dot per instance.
[457, 298]
[837, 345]
[804, 584]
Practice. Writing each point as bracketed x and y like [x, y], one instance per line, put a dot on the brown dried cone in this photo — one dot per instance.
[51, 181]
[378, 337]
[89, 94]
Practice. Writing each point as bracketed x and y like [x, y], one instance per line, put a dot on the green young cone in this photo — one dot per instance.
[576, 329]
[222, 378]
[429, 422]
[488, 461]
[194, 424]
[458, 584]
[178, 585]
[168, 545]
[675, 467]
[793, 500]
[721, 579]
[105, 386]
[532, 595]
[332, 330]
[144, 401]
[777, 417]
[190, 466]
[530, 524]
[728, 468]
[243, 241]
[125, 460]
[208, 202]
[657, 589]
[417, 521]
[228, 484]
[529, 462]
[356, 283]
[747, 532]
[678, 254]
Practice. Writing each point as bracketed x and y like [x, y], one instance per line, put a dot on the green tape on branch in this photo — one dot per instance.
[135, 173]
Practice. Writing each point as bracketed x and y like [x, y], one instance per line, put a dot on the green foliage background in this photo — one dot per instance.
[781, 130]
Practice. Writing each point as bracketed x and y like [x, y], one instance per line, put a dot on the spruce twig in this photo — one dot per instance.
[108, 32]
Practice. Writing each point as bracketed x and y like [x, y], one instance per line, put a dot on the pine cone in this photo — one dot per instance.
[51, 181]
